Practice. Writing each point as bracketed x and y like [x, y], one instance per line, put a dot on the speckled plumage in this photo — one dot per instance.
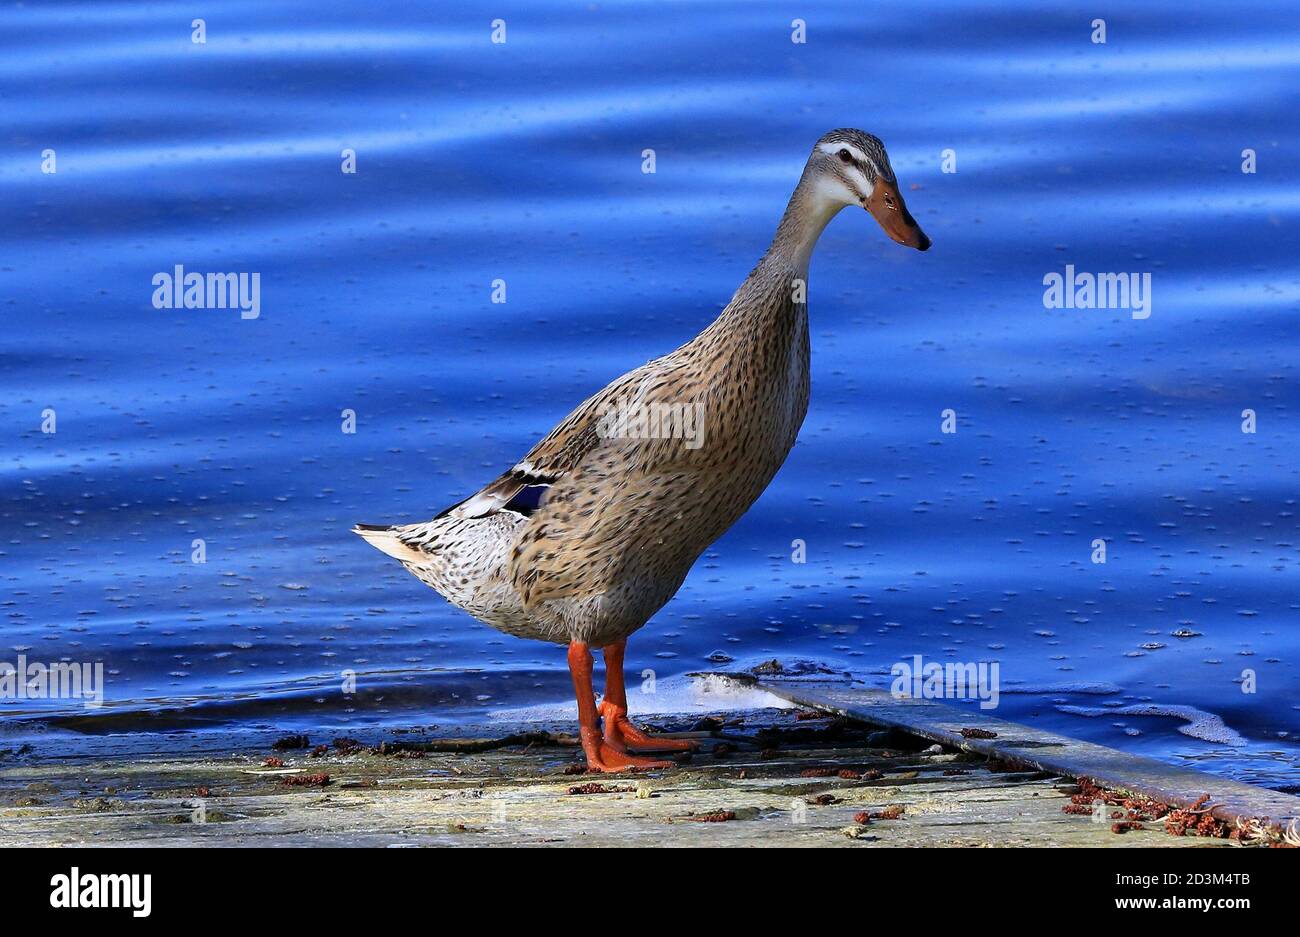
[623, 519]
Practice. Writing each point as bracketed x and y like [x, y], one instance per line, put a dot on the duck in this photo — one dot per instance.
[594, 530]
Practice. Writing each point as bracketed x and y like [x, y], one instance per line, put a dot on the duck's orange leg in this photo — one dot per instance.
[601, 756]
[619, 731]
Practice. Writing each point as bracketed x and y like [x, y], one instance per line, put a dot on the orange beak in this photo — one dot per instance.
[888, 208]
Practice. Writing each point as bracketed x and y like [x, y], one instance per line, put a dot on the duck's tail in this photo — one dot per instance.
[387, 540]
[465, 560]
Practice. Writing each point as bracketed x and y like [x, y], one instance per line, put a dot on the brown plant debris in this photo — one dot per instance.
[1134, 809]
[892, 812]
[1197, 821]
[306, 780]
[713, 816]
[594, 788]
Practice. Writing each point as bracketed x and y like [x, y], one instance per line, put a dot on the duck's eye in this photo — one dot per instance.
[846, 156]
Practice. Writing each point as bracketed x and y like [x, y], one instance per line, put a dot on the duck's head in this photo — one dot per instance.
[850, 167]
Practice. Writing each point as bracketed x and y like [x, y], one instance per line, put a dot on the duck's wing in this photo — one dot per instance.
[527, 485]
[575, 543]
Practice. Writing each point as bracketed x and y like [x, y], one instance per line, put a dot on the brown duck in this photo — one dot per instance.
[595, 529]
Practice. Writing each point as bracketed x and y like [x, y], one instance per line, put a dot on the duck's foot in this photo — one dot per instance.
[602, 754]
[606, 759]
[621, 734]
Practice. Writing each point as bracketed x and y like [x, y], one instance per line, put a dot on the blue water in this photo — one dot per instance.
[522, 162]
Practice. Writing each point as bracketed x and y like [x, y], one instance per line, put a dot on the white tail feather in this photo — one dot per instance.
[384, 539]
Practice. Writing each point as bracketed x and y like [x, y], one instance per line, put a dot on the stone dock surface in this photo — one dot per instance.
[779, 777]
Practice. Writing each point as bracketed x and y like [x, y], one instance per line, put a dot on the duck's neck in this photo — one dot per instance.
[770, 299]
[807, 215]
